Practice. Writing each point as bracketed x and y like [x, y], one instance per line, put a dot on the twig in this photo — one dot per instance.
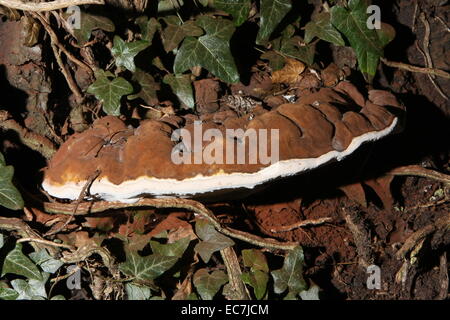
[54, 44]
[429, 61]
[300, 224]
[415, 170]
[48, 242]
[411, 68]
[29, 138]
[238, 289]
[77, 202]
[443, 276]
[100, 206]
[46, 6]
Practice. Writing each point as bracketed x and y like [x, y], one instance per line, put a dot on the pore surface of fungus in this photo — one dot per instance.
[189, 156]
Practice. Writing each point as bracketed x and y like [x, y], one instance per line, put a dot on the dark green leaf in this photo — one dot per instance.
[124, 52]
[137, 292]
[258, 281]
[90, 22]
[146, 268]
[210, 51]
[169, 5]
[110, 91]
[352, 23]
[10, 197]
[293, 48]
[149, 87]
[239, 9]
[8, 294]
[148, 27]
[255, 259]
[290, 276]
[322, 28]
[18, 263]
[272, 12]
[212, 240]
[46, 261]
[182, 87]
[173, 34]
[208, 285]
[276, 60]
[175, 249]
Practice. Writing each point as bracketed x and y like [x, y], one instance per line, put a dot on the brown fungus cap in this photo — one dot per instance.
[187, 156]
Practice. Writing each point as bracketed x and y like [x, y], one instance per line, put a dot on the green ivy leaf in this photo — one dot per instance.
[239, 9]
[124, 52]
[212, 240]
[10, 197]
[352, 22]
[290, 276]
[149, 87]
[276, 60]
[182, 87]
[258, 281]
[18, 263]
[146, 268]
[207, 284]
[322, 28]
[210, 51]
[148, 27]
[58, 297]
[293, 49]
[90, 22]
[8, 294]
[311, 294]
[272, 12]
[110, 91]
[30, 290]
[255, 259]
[137, 292]
[46, 261]
[174, 33]
[175, 249]
[169, 5]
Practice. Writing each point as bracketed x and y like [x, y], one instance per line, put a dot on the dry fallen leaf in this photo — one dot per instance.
[291, 72]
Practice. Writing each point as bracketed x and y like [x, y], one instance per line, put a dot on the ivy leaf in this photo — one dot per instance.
[58, 297]
[255, 259]
[352, 22]
[30, 290]
[137, 292]
[146, 268]
[239, 9]
[148, 27]
[149, 87]
[168, 5]
[88, 23]
[258, 281]
[2, 241]
[8, 294]
[124, 52]
[110, 91]
[182, 87]
[46, 261]
[18, 263]
[293, 48]
[10, 197]
[173, 34]
[290, 276]
[207, 284]
[276, 60]
[175, 249]
[210, 51]
[322, 28]
[311, 294]
[212, 240]
[272, 12]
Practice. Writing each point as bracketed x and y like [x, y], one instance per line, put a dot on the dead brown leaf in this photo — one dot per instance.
[291, 72]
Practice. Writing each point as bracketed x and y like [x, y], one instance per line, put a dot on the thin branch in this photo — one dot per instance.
[415, 170]
[47, 242]
[411, 68]
[46, 6]
[29, 138]
[194, 206]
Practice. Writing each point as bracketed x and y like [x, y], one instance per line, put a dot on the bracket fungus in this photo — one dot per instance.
[186, 157]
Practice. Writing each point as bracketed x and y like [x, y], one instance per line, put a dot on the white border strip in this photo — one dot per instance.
[129, 191]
